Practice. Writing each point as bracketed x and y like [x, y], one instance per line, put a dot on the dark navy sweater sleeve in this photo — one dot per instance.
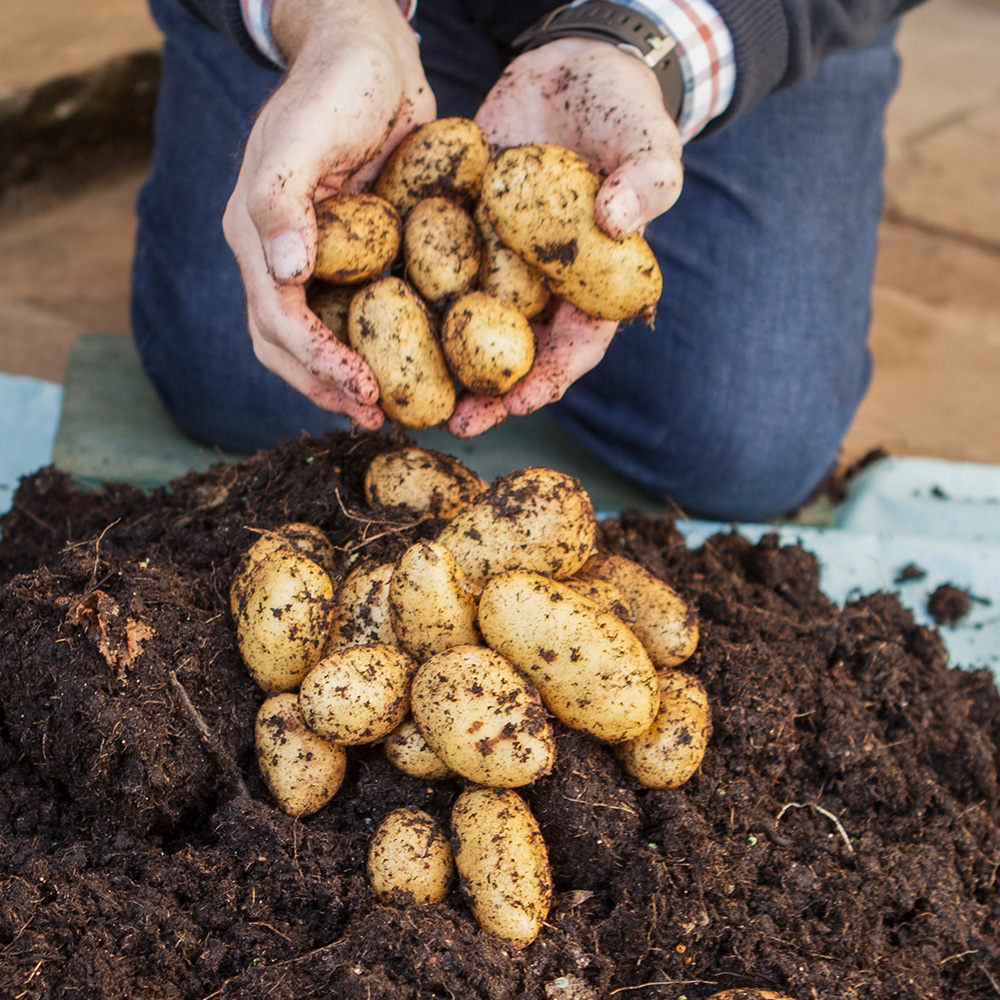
[226, 16]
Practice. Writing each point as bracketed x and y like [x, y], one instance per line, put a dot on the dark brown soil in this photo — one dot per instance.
[841, 839]
[949, 604]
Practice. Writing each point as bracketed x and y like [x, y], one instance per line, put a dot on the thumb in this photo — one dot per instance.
[641, 188]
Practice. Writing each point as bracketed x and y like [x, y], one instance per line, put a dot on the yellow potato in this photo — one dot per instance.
[427, 482]
[482, 718]
[540, 200]
[302, 770]
[443, 157]
[431, 605]
[407, 750]
[663, 622]
[410, 859]
[605, 595]
[503, 863]
[283, 618]
[506, 275]
[488, 344]
[357, 695]
[589, 668]
[534, 519]
[362, 611]
[672, 749]
[441, 249]
[358, 238]
[390, 327]
[748, 994]
[332, 303]
[307, 539]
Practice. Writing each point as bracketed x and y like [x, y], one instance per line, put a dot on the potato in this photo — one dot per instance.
[589, 668]
[358, 238]
[283, 618]
[443, 157]
[441, 249]
[406, 749]
[605, 595]
[748, 994]
[302, 770]
[332, 304]
[390, 327]
[362, 611]
[308, 540]
[487, 343]
[431, 605]
[357, 695]
[506, 275]
[427, 482]
[482, 718]
[410, 859]
[540, 200]
[663, 622]
[503, 863]
[534, 519]
[672, 749]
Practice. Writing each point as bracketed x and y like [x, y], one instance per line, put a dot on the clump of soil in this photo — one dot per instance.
[841, 839]
[949, 604]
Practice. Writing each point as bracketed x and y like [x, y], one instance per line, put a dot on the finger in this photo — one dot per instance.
[638, 191]
[574, 344]
[475, 415]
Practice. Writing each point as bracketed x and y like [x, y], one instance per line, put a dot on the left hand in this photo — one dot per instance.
[606, 105]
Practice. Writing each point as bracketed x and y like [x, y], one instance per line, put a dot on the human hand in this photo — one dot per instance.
[606, 105]
[354, 88]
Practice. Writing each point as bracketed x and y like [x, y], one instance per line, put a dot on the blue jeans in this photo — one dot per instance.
[735, 402]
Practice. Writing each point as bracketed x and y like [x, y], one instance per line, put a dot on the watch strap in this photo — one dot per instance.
[626, 27]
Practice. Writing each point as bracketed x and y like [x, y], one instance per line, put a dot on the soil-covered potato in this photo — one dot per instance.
[505, 274]
[482, 717]
[440, 249]
[406, 749]
[332, 304]
[410, 859]
[358, 238]
[390, 327]
[426, 482]
[540, 200]
[443, 157]
[488, 344]
[501, 857]
[361, 614]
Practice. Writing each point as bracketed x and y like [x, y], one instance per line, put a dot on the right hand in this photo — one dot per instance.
[354, 89]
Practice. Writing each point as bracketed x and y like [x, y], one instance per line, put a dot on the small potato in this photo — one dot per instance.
[482, 718]
[506, 275]
[534, 519]
[302, 770]
[362, 611]
[673, 748]
[443, 157]
[358, 238]
[488, 344]
[427, 482]
[407, 750]
[540, 200]
[357, 695]
[663, 622]
[410, 859]
[441, 249]
[390, 327]
[283, 618]
[431, 605]
[307, 539]
[332, 303]
[748, 994]
[589, 668]
[503, 863]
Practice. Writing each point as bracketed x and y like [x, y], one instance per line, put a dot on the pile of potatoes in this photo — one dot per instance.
[456, 657]
[433, 276]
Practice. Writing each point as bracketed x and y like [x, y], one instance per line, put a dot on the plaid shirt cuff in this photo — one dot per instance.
[257, 18]
[705, 53]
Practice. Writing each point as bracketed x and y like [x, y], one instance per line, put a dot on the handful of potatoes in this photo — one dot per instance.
[433, 276]
[457, 657]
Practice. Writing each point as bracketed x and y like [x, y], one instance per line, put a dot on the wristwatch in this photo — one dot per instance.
[629, 29]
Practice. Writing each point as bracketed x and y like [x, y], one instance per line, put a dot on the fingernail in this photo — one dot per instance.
[622, 211]
[287, 256]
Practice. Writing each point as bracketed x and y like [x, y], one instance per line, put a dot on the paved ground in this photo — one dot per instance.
[64, 255]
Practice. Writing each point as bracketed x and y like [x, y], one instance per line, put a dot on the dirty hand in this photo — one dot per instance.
[605, 104]
[354, 88]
